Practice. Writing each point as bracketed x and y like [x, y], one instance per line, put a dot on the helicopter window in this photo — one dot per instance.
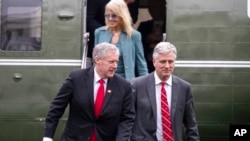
[21, 25]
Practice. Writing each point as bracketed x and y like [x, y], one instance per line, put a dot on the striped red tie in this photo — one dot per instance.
[165, 115]
[98, 105]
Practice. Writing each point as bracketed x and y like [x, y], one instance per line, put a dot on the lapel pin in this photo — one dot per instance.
[109, 91]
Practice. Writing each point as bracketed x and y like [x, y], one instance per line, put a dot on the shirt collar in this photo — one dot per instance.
[158, 80]
[97, 77]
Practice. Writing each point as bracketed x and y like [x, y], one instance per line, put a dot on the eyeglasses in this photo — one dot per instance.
[112, 16]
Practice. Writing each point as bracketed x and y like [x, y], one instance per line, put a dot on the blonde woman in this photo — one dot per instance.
[119, 31]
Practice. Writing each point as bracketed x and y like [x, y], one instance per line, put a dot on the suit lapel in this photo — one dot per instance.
[110, 90]
[124, 41]
[104, 36]
[107, 37]
[175, 95]
[151, 93]
[89, 82]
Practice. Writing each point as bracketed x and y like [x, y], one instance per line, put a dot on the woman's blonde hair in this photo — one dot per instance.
[120, 8]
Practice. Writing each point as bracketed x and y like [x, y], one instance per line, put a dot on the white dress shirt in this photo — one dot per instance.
[168, 88]
[97, 84]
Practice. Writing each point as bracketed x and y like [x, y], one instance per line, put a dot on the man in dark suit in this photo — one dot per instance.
[95, 17]
[149, 92]
[80, 91]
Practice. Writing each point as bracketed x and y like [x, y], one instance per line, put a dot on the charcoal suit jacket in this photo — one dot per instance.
[182, 110]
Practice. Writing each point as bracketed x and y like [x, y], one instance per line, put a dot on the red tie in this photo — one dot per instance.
[99, 98]
[98, 105]
[165, 115]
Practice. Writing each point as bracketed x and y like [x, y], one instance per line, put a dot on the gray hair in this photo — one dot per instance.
[164, 48]
[100, 50]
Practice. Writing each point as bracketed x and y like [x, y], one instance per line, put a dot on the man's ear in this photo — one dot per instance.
[97, 59]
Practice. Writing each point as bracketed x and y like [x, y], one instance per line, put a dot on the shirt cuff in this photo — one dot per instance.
[47, 139]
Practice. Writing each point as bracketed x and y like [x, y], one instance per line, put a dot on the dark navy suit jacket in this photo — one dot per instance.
[115, 121]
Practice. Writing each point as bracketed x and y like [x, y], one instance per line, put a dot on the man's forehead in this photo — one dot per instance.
[166, 54]
[111, 57]
[169, 56]
[111, 53]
